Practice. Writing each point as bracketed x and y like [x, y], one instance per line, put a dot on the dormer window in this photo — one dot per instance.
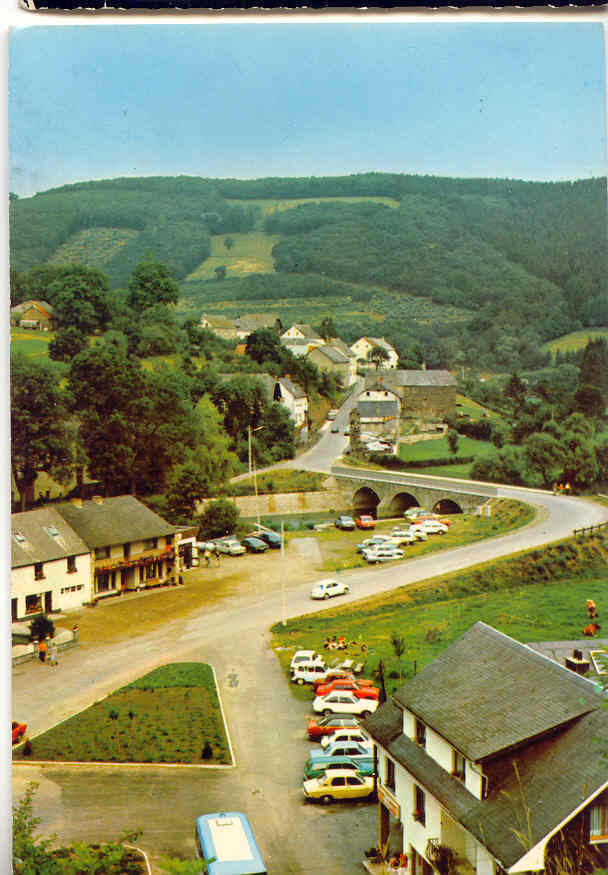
[458, 765]
[420, 735]
[52, 531]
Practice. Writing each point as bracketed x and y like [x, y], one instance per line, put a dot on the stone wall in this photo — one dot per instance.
[287, 502]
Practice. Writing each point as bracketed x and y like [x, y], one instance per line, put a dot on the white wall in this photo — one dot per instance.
[58, 580]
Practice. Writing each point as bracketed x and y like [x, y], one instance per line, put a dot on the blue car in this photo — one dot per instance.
[351, 749]
[315, 769]
[254, 545]
[271, 538]
[346, 523]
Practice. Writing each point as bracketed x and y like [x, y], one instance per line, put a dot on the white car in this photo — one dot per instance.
[398, 539]
[432, 527]
[230, 546]
[383, 553]
[345, 735]
[372, 542]
[302, 656]
[308, 673]
[326, 589]
[342, 702]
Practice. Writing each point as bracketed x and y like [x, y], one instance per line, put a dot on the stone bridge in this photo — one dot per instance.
[389, 494]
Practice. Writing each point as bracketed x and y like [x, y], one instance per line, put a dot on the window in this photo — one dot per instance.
[598, 823]
[458, 764]
[32, 604]
[102, 552]
[71, 564]
[169, 541]
[38, 571]
[126, 549]
[390, 774]
[420, 733]
[419, 814]
[151, 544]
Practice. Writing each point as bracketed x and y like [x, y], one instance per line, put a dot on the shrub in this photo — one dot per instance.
[28, 749]
[41, 627]
[207, 752]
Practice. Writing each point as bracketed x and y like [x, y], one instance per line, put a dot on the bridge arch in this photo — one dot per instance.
[447, 505]
[365, 500]
[400, 502]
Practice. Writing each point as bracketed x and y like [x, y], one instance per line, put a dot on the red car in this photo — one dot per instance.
[365, 521]
[18, 731]
[353, 687]
[335, 674]
[330, 724]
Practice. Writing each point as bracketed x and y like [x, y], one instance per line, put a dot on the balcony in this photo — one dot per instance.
[437, 851]
[144, 558]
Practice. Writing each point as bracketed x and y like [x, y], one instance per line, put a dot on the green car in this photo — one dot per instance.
[362, 767]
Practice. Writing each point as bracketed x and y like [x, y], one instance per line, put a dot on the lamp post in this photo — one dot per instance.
[255, 476]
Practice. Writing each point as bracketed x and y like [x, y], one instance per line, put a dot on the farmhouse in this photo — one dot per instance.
[328, 358]
[36, 315]
[220, 325]
[362, 348]
[492, 755]
[250, 322]
[378, 410]
[133, 547]
[293, 397]
[424, 394]
[50, 564]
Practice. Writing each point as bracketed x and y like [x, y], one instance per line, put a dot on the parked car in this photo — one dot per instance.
[383, 553]
[345, 522]
[432, 527]
[347, 430]
[353, 749]
[230, 546]
[335, 428]
[412, 512]
[318, 729]
[338, 784]
[271, 538]
[331, 414]
[348, 734]
[18, 730]
[363, 767]
[254, 545]
[418, 533]
[352, 686]
[301, 656]
[336, 673]
[372, 542]
[342, 702]
[307, 672]
[403, 539]
[326, 589]
[365, 521]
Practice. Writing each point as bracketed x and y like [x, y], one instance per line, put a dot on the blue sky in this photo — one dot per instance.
[523, 100]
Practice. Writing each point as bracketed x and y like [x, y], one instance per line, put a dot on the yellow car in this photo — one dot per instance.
[338, 784]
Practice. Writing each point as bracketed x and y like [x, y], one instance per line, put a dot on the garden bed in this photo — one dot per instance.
[171, 715]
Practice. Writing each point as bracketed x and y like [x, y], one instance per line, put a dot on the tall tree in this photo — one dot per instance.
[80, 298]
[39, 424]
[150, 284]
[378, 355]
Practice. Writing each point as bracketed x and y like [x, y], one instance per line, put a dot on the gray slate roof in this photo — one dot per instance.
[117, 520]
[419, 378]
[334, 355]
[376, 409]
[41, 545]
[487, 693]
[269, 382]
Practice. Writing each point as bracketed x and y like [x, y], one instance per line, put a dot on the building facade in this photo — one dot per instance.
[424, 394]
[362, 348]
[484, 756]
[328, 358]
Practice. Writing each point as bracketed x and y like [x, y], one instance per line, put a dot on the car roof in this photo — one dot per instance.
[345, 772]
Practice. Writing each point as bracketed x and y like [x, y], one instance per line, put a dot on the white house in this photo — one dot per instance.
[299, 331]
[379, 409]
[51, 566]
[493, 752]
[364, 346]
[293, 397]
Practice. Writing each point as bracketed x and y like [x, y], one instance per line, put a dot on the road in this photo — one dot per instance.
[265, 722]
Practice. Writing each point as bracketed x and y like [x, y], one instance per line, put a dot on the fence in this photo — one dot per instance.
[589, 530]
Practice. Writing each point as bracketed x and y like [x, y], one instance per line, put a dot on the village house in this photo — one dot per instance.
[293, 397]
[299, 331]
[328, 358]
[429, 395]
[220, 325]
[250, 322]
[36, 315]
[133, 547]
[378, 410]
[50, 564]
[494, 755]
[362, 348]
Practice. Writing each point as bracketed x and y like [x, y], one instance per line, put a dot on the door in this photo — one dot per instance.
[14, 610]
[48, 601]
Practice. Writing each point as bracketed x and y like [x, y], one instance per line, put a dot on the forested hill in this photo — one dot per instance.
[527, 256]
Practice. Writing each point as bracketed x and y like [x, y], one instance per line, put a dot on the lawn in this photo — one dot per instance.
[34, 344]
[279, 480]
[251, 253]
[170, 715]
[536, 596]
[471, 408]
[439, 449]
[575, 340]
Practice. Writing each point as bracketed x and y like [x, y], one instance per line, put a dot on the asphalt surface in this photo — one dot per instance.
[266, 724]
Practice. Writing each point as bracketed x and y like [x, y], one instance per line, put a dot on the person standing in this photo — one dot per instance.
[42, 650]
[217, 556]
[53, 653]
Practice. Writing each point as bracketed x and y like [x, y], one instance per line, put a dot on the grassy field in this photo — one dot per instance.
[471, 408]
[167, 716]
[287, 480]
[536, 596]
[34, 344]
[273, 205]
[251, 253]
[93, 246]
[575, 340]
[439, 449]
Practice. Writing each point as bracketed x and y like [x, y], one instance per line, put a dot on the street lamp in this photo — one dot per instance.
[255, 476]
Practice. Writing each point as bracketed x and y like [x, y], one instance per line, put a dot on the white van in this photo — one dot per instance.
[308, 672]
[304, 656]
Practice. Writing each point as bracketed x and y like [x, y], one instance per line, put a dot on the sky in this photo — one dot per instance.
[524, 100]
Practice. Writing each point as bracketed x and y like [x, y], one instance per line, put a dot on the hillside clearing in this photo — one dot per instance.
[250, 253]
[575, 340]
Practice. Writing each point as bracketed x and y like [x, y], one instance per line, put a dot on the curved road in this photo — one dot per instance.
[266, 723]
